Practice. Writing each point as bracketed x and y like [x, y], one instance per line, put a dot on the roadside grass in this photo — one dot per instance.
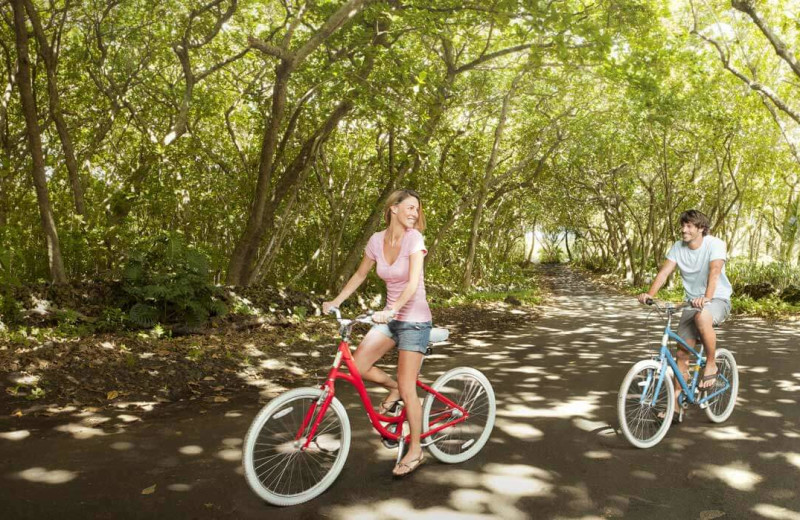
[769, 308]
[529, 297]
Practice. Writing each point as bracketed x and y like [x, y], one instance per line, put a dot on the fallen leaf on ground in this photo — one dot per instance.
[220, 399]
[150, 490]
[112, 395]
[17, 413]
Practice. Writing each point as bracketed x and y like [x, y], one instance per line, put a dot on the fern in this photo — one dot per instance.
[170, 279]
[143, 315]
[218, 308]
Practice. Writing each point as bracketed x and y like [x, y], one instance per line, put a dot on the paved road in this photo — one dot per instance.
[554, 453]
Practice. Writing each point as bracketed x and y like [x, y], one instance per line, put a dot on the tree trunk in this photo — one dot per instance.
[247, 246]
[241, 265]
[34, 138]
[451, 219]
[50, 64]
[491, 163]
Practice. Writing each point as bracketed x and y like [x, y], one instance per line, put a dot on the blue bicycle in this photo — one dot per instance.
[646, 402]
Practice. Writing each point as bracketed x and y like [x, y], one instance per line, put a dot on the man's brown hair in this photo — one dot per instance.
[700, 220]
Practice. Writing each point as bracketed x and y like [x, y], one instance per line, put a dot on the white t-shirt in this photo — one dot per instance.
[694, 267]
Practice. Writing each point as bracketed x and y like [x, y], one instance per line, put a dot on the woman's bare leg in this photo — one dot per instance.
[372, 348]
[408, 365]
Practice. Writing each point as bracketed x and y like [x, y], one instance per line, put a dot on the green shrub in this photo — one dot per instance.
[778, 274]
[167, 281]
[10, 309]
[597, 264]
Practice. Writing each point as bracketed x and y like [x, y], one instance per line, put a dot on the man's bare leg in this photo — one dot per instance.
[705, 324]
[683, 364]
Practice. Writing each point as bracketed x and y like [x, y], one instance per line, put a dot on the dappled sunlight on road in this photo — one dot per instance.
[775, 512]
[46, 476]
[520, 431]
[578, 407]
[791, 458]
[395, 509]
[80, 431]
[737, 475]
[731, 433]
[15, 435]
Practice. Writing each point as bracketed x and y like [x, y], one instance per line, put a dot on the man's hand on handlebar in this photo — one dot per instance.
[698, 303]
[645, 299]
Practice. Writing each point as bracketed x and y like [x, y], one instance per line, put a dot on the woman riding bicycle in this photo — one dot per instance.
[398, 252]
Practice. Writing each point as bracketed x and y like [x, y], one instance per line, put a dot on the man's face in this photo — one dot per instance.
[690, 232]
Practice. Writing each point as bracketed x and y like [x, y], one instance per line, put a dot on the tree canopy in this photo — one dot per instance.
[269, 134]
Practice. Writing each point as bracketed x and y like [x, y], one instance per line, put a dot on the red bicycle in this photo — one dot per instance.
[298, 443]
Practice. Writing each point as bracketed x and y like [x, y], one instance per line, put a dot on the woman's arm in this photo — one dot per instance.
[352, 284]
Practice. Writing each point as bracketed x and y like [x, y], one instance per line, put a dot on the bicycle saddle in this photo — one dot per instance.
[438, 335]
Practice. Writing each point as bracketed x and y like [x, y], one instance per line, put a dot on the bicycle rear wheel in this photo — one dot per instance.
[644, 416]
[276, 468]
[471, 390]
[721, 407]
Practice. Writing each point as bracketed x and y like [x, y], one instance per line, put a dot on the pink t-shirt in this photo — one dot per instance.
[396, 274]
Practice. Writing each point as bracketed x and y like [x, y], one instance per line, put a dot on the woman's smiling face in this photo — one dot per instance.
[407, 212]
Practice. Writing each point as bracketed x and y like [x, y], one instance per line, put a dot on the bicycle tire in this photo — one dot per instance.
[721, 407]
[471, 390]
[644, 424]
[275, 469]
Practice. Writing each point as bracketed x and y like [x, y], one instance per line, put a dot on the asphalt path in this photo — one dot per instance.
[555, 451]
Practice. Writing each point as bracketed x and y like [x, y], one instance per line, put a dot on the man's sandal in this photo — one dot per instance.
[677, 417]
[410, 466]
[711, 377]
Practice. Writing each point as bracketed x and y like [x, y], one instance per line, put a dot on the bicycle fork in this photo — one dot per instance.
[313, 417]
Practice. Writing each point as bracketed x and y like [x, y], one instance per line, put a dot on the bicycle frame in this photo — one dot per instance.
[455, 415]
[665, 358]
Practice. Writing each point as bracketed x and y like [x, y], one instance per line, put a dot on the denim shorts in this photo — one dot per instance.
[719, 309]
[413, 336]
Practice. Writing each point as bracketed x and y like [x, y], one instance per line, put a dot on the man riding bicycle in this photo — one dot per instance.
[700, 258]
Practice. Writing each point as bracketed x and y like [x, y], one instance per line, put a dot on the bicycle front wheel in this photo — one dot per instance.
[721, 407]
[644, 416]
[470, 390]
[275, 466]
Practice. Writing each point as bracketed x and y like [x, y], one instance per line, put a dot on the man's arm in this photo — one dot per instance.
[714, 270]
[661, 278]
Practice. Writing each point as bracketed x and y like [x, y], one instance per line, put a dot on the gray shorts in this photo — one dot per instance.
[720, 310]
[407, 335]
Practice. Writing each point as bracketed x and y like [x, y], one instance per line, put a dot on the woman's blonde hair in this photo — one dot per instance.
[396, 198]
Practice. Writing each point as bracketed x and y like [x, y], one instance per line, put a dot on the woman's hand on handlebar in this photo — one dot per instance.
[327, 306]
[383, 316]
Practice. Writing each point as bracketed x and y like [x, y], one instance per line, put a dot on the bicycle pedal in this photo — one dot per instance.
[389, 444]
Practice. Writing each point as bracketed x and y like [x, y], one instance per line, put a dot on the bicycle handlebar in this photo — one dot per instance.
[667, 306]
[363, 318]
